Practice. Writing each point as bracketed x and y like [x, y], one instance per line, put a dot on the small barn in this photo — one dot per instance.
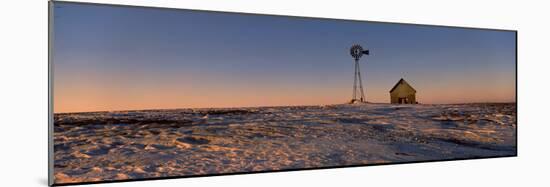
[403, 93]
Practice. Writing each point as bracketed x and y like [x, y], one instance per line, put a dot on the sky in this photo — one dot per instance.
[109, 58]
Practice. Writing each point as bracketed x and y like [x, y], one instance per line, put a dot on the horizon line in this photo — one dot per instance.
[266, 106]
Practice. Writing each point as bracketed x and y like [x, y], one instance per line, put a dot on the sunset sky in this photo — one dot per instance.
[123, 58]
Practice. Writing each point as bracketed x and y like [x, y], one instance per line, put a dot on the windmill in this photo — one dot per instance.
[356, 52]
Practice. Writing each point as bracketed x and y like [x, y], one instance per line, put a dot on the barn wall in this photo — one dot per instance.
[393, 97]
[412, 99]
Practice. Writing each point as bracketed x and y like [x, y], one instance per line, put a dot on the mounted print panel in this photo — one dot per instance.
[141, 93]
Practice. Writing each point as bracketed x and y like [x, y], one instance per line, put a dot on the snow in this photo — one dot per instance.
[183, 142]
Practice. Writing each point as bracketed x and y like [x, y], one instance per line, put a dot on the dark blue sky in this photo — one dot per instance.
[131, 58]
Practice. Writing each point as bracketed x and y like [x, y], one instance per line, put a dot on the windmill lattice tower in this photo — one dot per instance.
[357, 52]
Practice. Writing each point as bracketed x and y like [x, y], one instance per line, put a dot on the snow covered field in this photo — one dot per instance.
[160, 143]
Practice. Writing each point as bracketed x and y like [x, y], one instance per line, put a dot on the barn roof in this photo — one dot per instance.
[399, 82]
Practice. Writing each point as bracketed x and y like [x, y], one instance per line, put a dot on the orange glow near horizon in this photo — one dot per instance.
[95, 95]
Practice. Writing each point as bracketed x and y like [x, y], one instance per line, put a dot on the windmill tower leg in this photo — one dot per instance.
[357, 82]
[363, 99]
[354, 96]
